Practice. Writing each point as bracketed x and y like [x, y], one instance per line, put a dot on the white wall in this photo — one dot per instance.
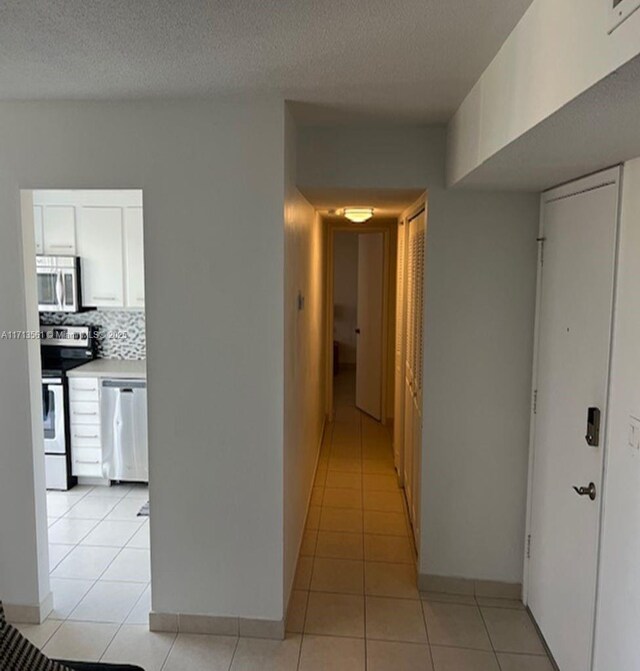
[345, 294]
[24, 579]
[618, 615]
[212, 178]
[557, 51]
[480, 295]
[304, 363]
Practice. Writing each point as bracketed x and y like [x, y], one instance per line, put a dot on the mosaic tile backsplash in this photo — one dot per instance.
[123, 330]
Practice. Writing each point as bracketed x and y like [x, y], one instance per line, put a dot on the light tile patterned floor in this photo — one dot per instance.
[355, 606]
[99, 554]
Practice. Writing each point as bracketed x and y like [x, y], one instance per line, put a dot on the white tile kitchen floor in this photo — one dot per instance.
[99, 555]
[355, 604]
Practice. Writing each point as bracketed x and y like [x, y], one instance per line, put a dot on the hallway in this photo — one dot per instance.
[356, 602]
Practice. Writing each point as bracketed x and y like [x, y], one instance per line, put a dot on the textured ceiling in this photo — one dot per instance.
[409, 60]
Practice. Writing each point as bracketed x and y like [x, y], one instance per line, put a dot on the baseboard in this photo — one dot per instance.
[20, 614]
[186, 623]
[469, 586]
[325, 421]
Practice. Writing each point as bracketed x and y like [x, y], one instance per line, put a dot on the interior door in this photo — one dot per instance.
[369, 330]
[574, 331]
[414, 328]
[399, 381]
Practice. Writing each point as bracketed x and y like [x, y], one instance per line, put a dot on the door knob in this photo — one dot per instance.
[589, 491]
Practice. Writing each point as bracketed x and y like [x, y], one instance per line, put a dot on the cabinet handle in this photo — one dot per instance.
[79, 435]
[61, 246]
[86, 414]
[104, 298]
[84, 389]
[82, 461]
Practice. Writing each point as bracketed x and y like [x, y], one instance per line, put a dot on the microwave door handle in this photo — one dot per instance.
[59, 290]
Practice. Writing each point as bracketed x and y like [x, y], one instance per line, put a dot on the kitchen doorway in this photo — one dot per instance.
[85, 288]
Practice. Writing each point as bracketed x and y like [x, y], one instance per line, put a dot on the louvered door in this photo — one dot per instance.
[401, 309]
[413, 367]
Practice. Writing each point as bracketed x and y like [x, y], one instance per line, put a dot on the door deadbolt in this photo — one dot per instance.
[593, 427]
[589, 491]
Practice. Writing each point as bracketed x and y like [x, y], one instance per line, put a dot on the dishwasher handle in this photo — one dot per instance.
[125, 386]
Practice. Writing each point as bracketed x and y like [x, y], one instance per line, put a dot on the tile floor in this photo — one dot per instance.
[355, 605]
[99, 555]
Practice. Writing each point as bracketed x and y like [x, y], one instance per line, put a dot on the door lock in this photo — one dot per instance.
[593, 427]
[589, 491]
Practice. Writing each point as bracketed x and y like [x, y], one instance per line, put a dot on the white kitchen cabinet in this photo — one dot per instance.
[39, 230]
[59, 230]
[100, 248]
[86, 443]
[134, 257]
[104, 228]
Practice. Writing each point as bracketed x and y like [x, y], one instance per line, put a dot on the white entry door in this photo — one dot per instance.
[369, 330]
[574, 332]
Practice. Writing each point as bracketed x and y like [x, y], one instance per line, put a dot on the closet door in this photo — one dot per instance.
[413, 368]
[398, 422]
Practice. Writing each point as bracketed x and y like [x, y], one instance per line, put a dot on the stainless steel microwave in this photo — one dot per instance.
[58, 284]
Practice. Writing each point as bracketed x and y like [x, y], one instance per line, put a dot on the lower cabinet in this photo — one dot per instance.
[86, 445]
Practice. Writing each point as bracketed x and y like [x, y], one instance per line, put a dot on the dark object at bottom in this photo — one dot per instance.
[94, 666]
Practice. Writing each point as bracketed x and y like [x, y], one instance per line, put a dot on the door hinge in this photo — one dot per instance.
[540, 241]
[529, 546]
[535, 401]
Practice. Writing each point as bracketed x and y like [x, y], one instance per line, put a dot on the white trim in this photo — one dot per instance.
[20, 614]
[532, 424]
[587, 183]
[606, 433]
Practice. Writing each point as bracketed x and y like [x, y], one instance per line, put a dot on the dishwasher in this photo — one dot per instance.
[125, 452]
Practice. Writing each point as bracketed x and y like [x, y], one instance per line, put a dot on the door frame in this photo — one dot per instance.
[588, 183]
[332, 229]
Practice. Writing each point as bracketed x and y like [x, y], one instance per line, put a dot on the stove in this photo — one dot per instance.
[62, 349]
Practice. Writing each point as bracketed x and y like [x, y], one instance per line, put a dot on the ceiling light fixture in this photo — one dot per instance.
[358, 215]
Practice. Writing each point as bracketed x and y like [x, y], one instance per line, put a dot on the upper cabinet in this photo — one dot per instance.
[105, 229]
[59, 230]
[134, 256]
[100, 248]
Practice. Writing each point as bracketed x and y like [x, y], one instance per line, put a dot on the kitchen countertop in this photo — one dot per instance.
[115, 368]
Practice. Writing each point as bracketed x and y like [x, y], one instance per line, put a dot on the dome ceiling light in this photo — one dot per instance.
[358, 215]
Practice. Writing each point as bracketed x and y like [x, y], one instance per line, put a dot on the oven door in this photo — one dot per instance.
[53, 416]
[57, 290]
